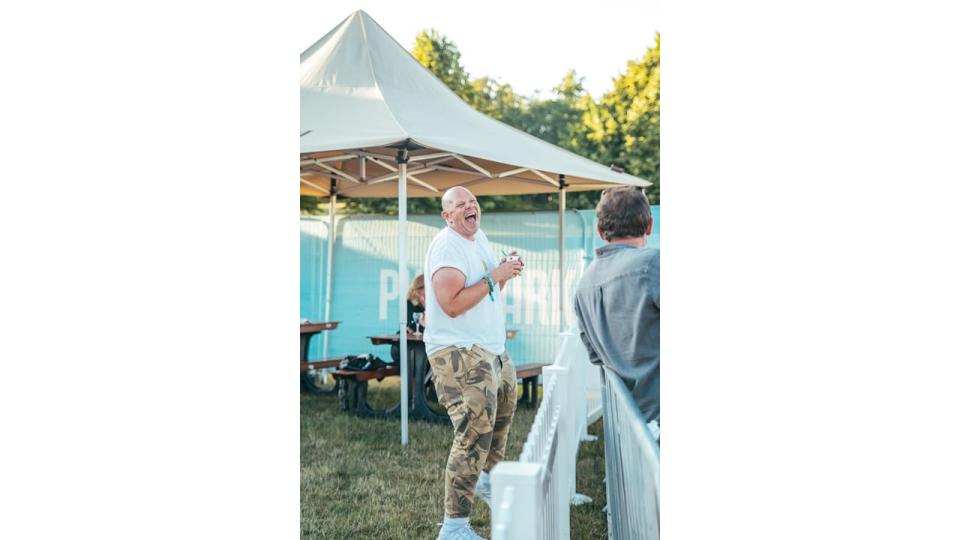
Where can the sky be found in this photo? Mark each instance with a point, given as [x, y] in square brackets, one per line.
[530, 45]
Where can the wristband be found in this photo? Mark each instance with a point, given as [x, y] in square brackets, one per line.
[490, 285]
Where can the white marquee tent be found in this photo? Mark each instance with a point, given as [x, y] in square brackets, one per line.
[375, 123]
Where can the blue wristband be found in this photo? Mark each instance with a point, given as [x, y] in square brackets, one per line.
[490, 285]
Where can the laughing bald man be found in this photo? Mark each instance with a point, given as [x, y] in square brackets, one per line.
[475, 379]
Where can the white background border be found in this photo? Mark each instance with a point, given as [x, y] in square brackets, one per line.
[149, 287]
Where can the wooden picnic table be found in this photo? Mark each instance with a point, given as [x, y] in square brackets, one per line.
[307, 367]
[417, 360]
[310, 329]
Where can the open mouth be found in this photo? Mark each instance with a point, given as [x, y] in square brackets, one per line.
[471, 218]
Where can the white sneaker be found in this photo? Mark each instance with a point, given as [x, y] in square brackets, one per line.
[460, 533]
[484, 491]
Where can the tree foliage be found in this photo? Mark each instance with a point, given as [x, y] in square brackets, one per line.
[441, 56]
[621, 128]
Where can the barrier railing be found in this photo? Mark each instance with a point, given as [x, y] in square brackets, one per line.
[586, 379]
[632, 465]
[585, 394]
[532, 496]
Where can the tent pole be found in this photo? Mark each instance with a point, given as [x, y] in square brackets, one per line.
[402, 157]
[563, 208]
[331, 241]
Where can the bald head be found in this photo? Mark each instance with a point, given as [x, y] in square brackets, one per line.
[461, 211]
[452, 195]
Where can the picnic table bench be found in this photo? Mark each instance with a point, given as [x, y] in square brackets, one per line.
[352, 391]
[311, 365]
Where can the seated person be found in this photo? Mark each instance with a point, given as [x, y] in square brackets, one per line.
[416, 303]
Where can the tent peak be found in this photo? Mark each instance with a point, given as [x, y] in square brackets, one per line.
[360, 15]
[360, 88]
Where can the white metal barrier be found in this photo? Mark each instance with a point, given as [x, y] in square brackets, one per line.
[586, 403]
[632, 466]
[587, 380]
[593, 395]
[532, 496]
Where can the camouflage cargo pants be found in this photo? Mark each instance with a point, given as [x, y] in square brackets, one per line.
[479, 391]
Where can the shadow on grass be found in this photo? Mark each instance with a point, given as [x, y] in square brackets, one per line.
[357, 482]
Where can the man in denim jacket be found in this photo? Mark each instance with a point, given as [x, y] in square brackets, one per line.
[618, 298]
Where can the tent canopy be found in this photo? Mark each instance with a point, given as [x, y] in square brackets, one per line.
[362, 95]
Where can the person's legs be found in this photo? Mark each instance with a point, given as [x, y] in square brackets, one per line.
[467, 387]
[506, 406]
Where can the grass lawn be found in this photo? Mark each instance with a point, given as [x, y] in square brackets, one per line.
[357, 482]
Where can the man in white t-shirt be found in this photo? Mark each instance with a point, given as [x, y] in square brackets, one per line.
[474, 377]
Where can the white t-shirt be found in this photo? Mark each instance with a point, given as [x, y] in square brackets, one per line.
[484, 323]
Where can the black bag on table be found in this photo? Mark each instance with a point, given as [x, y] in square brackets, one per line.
[363, 362]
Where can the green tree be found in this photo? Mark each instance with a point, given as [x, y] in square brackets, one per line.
[441, 56]
[623, 127]
[557, 120]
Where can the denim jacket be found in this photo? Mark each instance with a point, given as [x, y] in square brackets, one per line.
[618, 308]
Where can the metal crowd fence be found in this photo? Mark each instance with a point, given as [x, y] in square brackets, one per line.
[587, 381]
[532, 496]
[529, 495]
[632, 465]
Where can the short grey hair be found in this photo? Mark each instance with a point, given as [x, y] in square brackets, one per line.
[623, 212]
